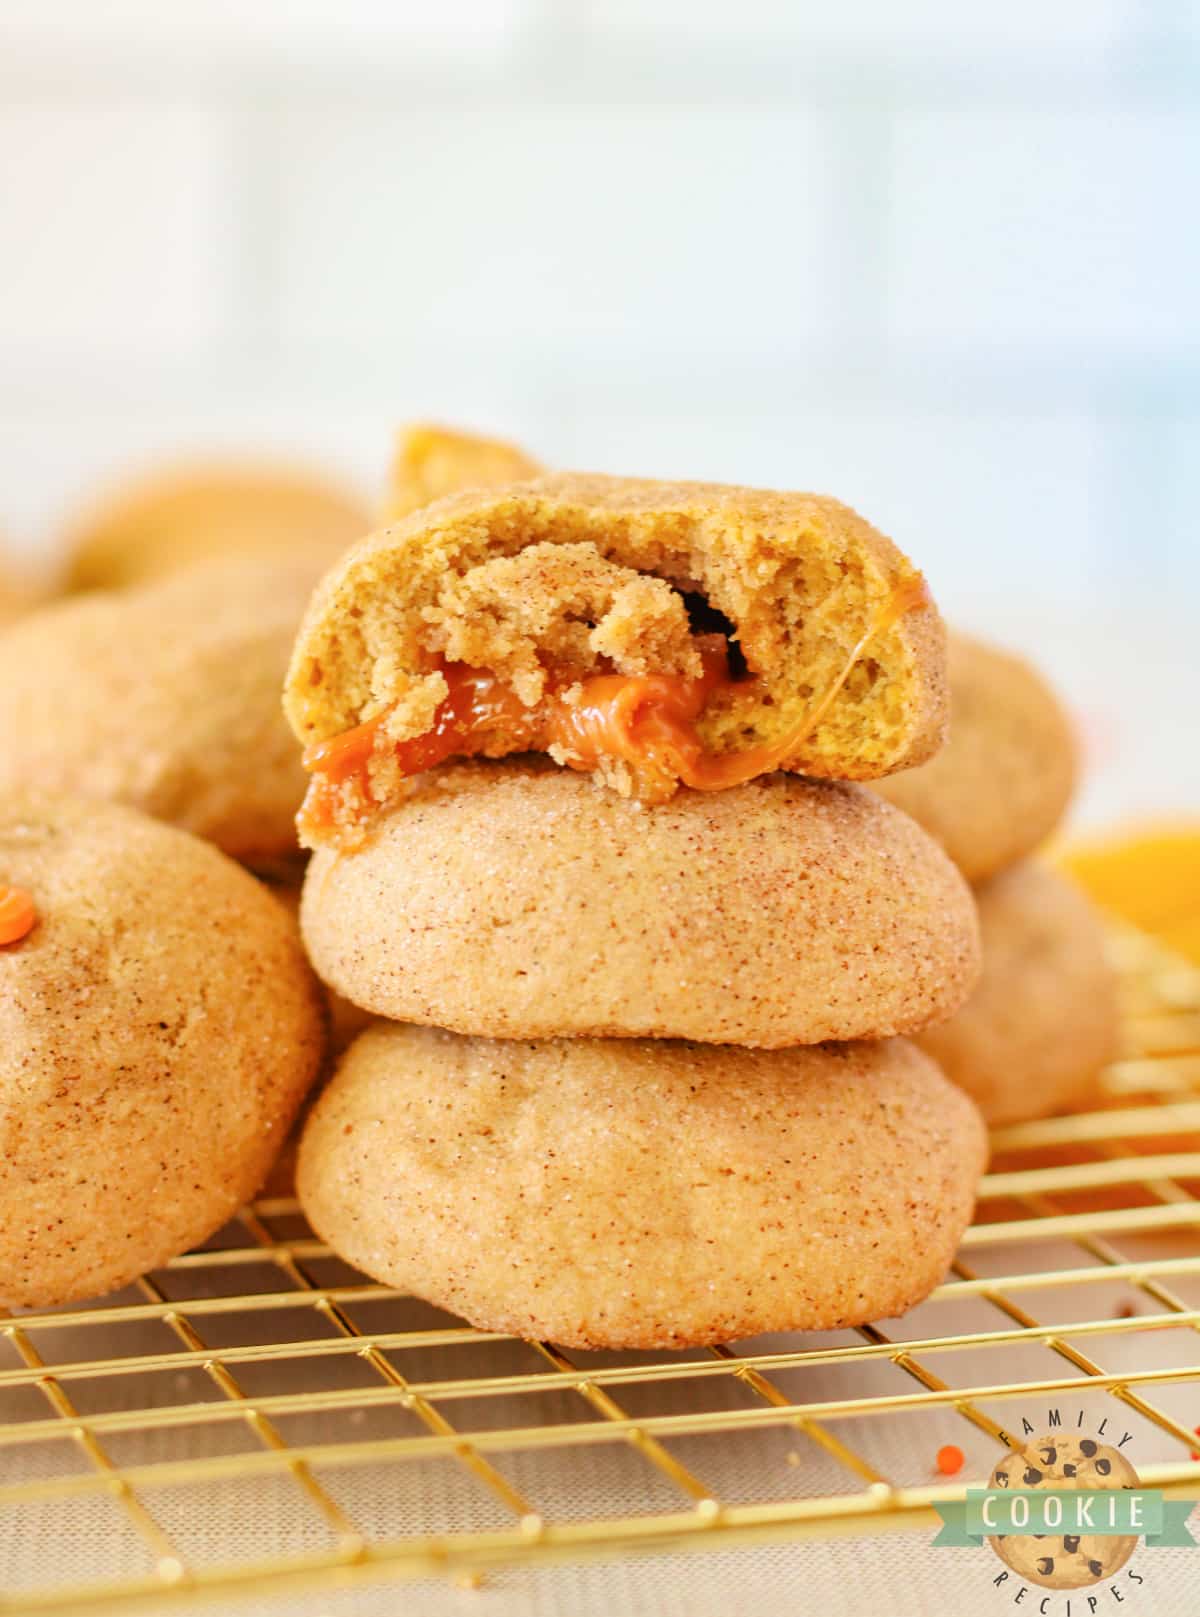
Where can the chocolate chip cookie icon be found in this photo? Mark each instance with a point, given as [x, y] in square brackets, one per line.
[1067, 1561]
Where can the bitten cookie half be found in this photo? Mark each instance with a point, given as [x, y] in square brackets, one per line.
[523, 901]
[654, 633]
[192, 513]
[165, 697]
[638, 1194]
[159, 1027]
[1042, 1023]
[1003, 781]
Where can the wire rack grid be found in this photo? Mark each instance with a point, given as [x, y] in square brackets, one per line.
[256, 1416]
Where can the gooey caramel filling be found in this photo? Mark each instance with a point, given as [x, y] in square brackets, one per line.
[649, 721]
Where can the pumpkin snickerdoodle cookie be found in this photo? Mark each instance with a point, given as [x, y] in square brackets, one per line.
[171, 520]
[628, 1194]
[657, 634]
[165, 697]
[1042, 1022]
[433, 461]
[1003, 780]
[519, 900]
[159, 1027]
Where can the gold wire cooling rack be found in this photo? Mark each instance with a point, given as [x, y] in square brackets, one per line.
[256, 1417]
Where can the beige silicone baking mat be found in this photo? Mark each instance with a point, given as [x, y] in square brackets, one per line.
[256, 1422]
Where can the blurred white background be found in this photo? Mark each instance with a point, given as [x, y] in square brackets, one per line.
[939, 259]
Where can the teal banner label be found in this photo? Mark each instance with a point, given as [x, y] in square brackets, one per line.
[1101, 1512]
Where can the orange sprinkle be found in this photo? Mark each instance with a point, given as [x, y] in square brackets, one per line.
[1196, 1452]
[17, 914]
[950, 1459]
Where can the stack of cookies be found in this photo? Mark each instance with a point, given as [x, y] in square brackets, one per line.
[583, 835]
[582, 756]
[1042, 1022]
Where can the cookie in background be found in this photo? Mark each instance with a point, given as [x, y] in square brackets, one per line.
[157, 524]
[432, 461]
[1042, 1023]
[165, 697]
[1005, 777]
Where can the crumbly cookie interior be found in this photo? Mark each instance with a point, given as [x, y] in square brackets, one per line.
[545, 596]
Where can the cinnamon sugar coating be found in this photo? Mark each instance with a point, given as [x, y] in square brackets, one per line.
[159, 1027]
[626, 1194]
[165, 697]
[519, 900]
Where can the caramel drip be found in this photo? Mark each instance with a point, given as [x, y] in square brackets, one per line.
[648, 721]
[475, 706]
[708, 772]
